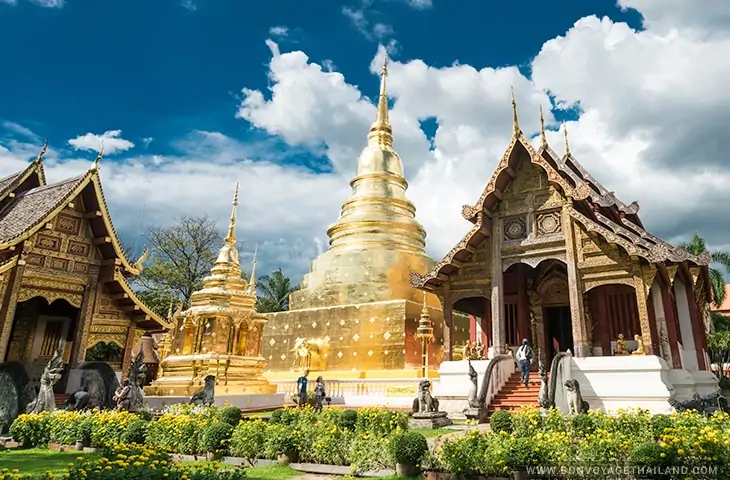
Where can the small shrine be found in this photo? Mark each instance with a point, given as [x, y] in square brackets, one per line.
[219, 335]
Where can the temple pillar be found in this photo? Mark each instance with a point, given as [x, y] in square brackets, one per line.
[9, 306]
[646, 331]
[689, 354]
[499, 333]
[85, 318]
[673, 333]
[660, 317]
[539, 326]
[487, 322]
[448, 305]
[523, 306]
[575, 290]
[697, 326]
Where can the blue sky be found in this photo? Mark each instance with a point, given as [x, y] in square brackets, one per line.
[170, 76]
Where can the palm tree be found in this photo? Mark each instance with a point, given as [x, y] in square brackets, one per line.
[697, 246]
[275, 290]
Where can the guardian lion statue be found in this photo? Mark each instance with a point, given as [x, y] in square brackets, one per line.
[543, 398]
[425, 402]
[207, 395]
[576, 404]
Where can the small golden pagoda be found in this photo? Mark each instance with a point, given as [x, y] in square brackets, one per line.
[356, 315]
[219, 334]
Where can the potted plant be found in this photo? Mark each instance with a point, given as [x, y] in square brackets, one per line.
[282, 443]
[408, 449]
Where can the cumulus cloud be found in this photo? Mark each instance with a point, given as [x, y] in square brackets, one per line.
[111, 140]
[279, 31]
[49, 3]
[651, 109]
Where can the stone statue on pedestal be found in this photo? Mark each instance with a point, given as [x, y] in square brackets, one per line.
[473, 378]
[425, 413]
[576, 404]
[207, 395]
[543, 397]
[137, 374]
[45, 401]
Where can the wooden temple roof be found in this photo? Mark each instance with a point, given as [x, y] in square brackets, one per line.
[594, 207]
[25, 212]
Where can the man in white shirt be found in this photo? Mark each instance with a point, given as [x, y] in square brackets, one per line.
[524, 360]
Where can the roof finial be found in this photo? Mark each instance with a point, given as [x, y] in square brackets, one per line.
[567, 145]
[424, 310]
[95, 165]
[515, 121]
[252, 280]
[381, 132]
[231, 237]
[43, 151]
[543, 138]
[169, 311]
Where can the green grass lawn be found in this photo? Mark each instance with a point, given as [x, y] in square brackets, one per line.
[37, 460]
[433, 432]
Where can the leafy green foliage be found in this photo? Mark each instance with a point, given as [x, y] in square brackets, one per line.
[697, 246]
[501, 421]
[181, 255]
[274, 291]
[408, 448]
[230, 415]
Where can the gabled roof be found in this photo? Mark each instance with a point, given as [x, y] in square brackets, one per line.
[32, 210]
[597, 209]
[32, 176]
[8, 264]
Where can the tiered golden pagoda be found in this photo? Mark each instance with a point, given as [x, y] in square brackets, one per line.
[219, 334]
[356, 314]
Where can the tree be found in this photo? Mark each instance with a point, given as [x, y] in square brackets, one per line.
[274, 292]
[181, 255]
[697, 246]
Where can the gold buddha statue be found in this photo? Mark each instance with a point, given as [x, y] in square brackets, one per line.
[639, 345]
[621, 348]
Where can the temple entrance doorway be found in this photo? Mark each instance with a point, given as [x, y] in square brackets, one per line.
[558, 330]
[38, 329]
[477, 337]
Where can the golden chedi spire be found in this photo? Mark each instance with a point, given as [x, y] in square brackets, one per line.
[252, 280]
[378, 212]
[377, 240]
[227, 261]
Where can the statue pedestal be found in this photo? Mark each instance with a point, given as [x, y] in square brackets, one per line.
[478, 414]
[429, 420]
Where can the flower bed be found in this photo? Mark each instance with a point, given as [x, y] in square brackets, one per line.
[595, 444]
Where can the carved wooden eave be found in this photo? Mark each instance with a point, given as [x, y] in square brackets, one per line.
[63, 193]
[10, 184]
[125, 298]
[8, 265]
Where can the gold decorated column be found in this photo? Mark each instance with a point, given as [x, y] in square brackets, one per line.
[575, 289]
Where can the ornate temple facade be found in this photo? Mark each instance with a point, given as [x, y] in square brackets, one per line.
[554, 257]
[219, 334]
[64, 276]
[356, 313]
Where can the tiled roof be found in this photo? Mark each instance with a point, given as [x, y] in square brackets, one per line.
[725, 307]
[26, 210]
[7, 181]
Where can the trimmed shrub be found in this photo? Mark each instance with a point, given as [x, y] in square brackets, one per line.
[215, 437]
[408, 448]
[230, 415]
[501, 421]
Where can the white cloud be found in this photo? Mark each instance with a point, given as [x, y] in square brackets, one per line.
[189, 5]
[19, 129]
[652, 126]
[279, 31]
[49, 3]
[10, 2]
[420, 4]
[112, 141]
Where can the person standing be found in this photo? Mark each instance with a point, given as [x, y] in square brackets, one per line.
[319, 394]
[524, 360]
[302, 388]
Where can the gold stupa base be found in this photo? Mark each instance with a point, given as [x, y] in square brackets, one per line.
[234, 375]
[404, 374]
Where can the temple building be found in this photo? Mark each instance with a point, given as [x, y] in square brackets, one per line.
[218, 335]
[64, 276]
[356, 315]
[555, 257]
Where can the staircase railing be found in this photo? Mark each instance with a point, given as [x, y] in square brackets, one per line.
[559, 373]
[498, 371]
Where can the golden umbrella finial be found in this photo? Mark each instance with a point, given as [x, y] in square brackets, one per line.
[515, 121]
[231, 236]
[543, 138]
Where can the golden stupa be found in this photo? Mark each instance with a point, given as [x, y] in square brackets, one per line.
[356, 314]
[219, 334]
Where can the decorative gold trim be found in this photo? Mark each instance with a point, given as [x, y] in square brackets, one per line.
[648, 273]
[50, 296]
[119, 278]
[672, 273]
